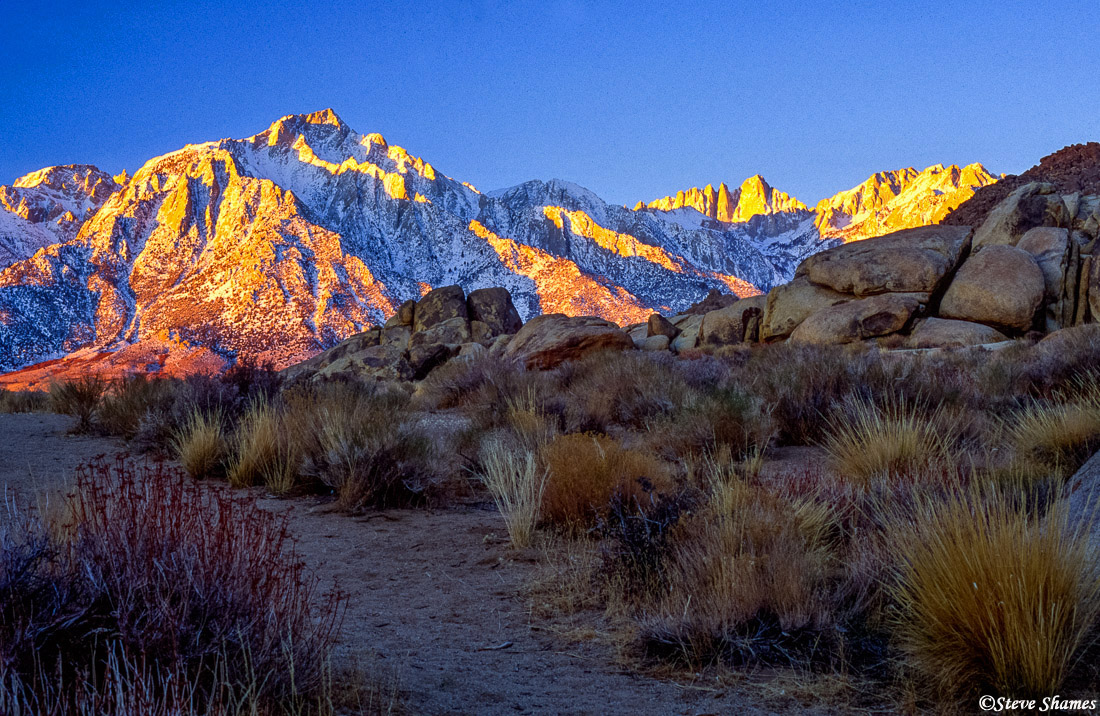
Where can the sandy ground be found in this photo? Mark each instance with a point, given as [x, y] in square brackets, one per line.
[435, 597]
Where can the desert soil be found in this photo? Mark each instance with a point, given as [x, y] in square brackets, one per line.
[436, 598]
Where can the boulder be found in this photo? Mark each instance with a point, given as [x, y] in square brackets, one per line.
[947, 333]
[790, 304]
[499, 345]
[1000, 286]
[403, 316]
[551, 339]
[383, 362]
[713, 301]
[858, 320]
[658, 325]
[1031, 205]
[426, 357]
[1068, 341]
[494, 308]
[453, 331]
[1083, 498]
[397, 336]
[690, 326]
[655, 343]
[1058, 259]
[732, 324]
[349, 346]
[908, 261]
[438, 305]
[480, 332]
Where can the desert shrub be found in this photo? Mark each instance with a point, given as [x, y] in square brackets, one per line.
[127, 401]
[158, 596]
[23, 401]
[866, 441]
[638, 532]
[624, 389]
[251, 381]
[181, 399]
[749, 581]
[720, 419]
[991, 598]
[200, 445]
[801, 383]
[517, 484]
[584, 471]
[79, 398]
[361, 443]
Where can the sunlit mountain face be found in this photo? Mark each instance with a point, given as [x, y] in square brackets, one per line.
[280, 245]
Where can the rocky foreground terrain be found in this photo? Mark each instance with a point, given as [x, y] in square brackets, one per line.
[1028, 268]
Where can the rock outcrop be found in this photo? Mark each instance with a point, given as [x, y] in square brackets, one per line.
[859, 319]
[1001, 286]
[420, 336]
[946, 333]
[549, 340]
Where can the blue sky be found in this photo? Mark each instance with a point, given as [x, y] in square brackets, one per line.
[632, 100]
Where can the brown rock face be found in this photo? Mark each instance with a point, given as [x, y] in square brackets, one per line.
[549, 340]
[858, 320]
[1029, 206]
[946, 333]
[494, 308]
[714, 300]
[790, 304]
[658, 325]
[438, 305]
[908, 261]
[1058, 259]
[1000, 286]
[732, 324]
[1073, 169]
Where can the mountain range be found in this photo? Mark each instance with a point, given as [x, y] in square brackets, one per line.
[279, 245]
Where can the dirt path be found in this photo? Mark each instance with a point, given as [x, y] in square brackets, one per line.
[433, 595]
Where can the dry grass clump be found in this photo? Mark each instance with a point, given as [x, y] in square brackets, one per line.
[79, 398]
[749, 580]
[259, 447]
[992, 598]
[200, 446]
[517, 485]
[867, 441]
[23, 401]
[160, 597]
[621, 389]
[1057, 436]
[584, 471]
[127, 401]
[362, 443]
[712, 421]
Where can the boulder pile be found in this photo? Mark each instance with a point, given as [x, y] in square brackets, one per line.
[1029, 267]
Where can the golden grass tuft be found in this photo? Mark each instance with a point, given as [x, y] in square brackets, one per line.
[584, 471]
[1059, 437]
[992, 598]
[751, 563]
[200, 445]
[867, 441]
[260, 451]
[517, 484]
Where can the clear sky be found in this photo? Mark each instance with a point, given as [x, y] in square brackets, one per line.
[632, 100]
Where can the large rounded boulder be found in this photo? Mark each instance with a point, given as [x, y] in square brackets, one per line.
[494, 308]
[438, 305]
[549, 340]
[858, 320]
[908, 261]
[1035, 204]
[1000, 286]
